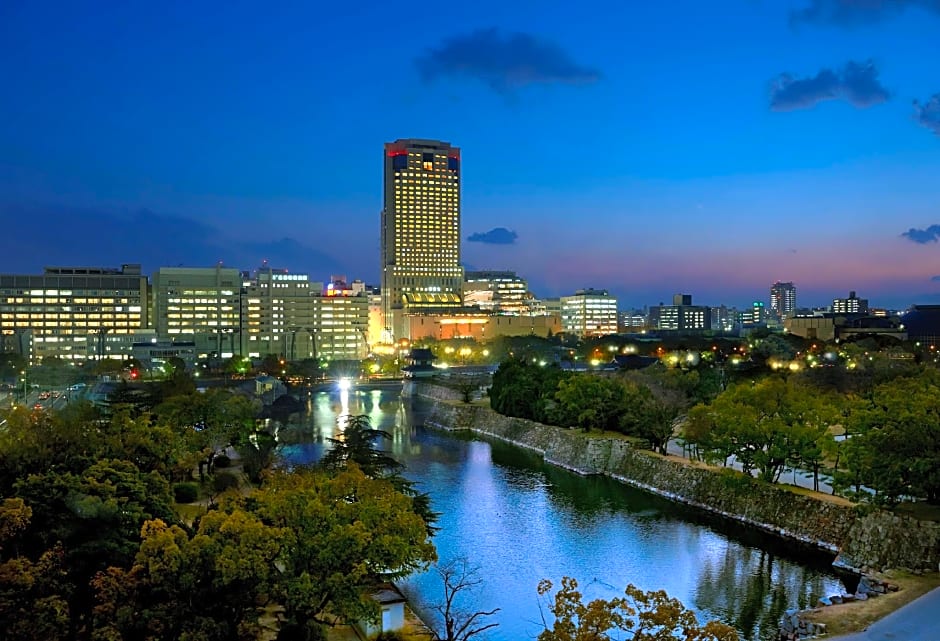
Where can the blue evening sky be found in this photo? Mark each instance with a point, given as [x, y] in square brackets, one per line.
[644, 147]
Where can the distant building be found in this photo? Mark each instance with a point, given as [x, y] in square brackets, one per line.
[499, 292]
[278, 314]
[922, 323]
[420, 259]
[631, 321]
[681, 316]
[782, 299]
[472, 323]
[723, 319]
[199, 304]
[755, 316]
[70, 312]
[341, 322]
[590, 312]
[851, 305]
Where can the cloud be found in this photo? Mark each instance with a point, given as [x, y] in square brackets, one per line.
[928, 114]
[935, 279]
[91, 237]
[923, 236]
[504, 62]
[849, 13]
[496, 236]
[856, 82]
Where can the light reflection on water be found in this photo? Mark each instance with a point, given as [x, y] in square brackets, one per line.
[521, 521]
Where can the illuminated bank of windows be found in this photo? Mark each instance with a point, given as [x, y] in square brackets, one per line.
[590, 312]
[54, 314]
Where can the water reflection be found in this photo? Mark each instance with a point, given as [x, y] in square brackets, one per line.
[522, 521]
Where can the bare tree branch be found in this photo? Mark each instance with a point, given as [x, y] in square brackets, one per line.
[460, 579]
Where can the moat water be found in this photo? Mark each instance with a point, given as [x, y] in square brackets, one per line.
[519, 521]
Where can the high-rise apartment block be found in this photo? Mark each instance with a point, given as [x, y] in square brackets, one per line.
[590, 312]
[76, 313]
[420, 242]
[782, 299]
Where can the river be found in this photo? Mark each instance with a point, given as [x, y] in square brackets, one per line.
[520, 520]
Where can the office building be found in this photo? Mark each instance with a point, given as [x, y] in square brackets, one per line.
[681, 316]
[199, 304]
[851, 305]
[590, 312]
[631, 321]
[498, 292]
[755, 316]
[341, 322]
[278, 314]
[75, 313]
[782, 299]
[420, 235]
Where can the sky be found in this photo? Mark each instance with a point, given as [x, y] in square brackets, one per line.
[647, 148]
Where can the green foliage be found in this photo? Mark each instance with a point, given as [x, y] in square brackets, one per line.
[210, 422]
[642, 616]
[583, 400]
[358, 447]
[223, 482]
[525, 390]
[185, 492]
[765, 426]
[893, 445]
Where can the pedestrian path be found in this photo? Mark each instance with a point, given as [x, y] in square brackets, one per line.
[919, 620]
[791, 476]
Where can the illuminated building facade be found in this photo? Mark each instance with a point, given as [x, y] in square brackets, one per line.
[420, 231]
[782, 299]
[341, 322]
[851, 305]
[199, 304]
[278, 314]
[590, 312]
[76, 313]
[499, 292]
[681, 316]
[480, 326]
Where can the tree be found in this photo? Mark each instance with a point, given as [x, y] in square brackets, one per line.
[211, 421]
[460, 624]
[343, 536]
[358, 445]
[764, 426]
[591, 402]
[208, 586]
[644, 616]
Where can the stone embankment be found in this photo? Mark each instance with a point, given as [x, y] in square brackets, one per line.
[864, 541]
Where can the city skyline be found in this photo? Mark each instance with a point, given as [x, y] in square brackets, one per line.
[629, 153]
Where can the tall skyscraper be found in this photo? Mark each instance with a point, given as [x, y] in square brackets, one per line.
[782, 299]
[420, 230]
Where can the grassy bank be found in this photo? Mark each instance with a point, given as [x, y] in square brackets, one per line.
[858, 615]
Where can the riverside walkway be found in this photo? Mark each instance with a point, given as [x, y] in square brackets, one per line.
[919, 620]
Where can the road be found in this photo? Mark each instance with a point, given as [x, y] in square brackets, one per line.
[919, 620]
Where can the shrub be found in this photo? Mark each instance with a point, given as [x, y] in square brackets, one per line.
[185, 492]
[222, 461]
[224, 481]
[390, 635]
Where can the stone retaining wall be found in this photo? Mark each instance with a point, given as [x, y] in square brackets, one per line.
[875, 541]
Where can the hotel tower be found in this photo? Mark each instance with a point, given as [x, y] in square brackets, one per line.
[421, 269]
